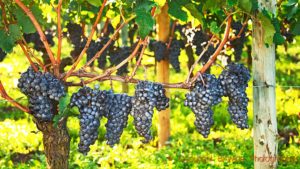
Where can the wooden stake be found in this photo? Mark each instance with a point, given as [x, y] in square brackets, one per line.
[163, 31]
[264, 106]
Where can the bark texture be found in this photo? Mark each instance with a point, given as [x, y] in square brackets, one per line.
[56, 144]
[264, 106]
[163, 31]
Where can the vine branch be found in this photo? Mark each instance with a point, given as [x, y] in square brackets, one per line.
[28, 57]
[108, 72]
[124, 79]
[4, 15]
[88, 41]
[138, 63]
[11, 100]
[241, 31]
[39, 30]
[59, 33]
[217, 52]
[98, 54]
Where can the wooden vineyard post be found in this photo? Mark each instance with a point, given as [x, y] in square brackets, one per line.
[264, 107]
[124, 36]
[163, 30]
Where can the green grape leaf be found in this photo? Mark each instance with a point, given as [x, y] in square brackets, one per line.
[175, 10]
[254, 5]
[276, 24]
[292, 12]
[245, 5]
[144, 5]
[296, 29]
[278, 39]
[63, 109]
[214, 28]
[7, 42]
[291, 3]
[144, 21]
[231, 3]
[24, 21]
[63, 103]
[95, 3]
[15, 31]
[194, 11]
[213, 6]
[268, 27]
[37, 12]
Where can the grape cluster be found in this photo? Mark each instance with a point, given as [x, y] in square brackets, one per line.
[102, 59]
[159, 49]
[206, 56]
[234, 81]
[118, 107]
[75, 35]
[92, 105]
[238, 43]
[42, 89]
[197, 38]
[204, 94]
[94, 47]
[117, 56]
[174, 52]
[36, 40]
[147, 96]
[2, 55]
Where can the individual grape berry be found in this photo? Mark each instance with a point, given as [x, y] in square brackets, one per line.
[118, 107]
[174, 52]
[147, 96]
[238, 44]
[159, 49]
[2, 55]
[91, 105]
[234, 81]
[204, 94]
[117, 56]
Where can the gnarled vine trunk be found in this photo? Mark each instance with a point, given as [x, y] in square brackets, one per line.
[56, 144]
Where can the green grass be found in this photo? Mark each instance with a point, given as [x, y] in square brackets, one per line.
[226, 147]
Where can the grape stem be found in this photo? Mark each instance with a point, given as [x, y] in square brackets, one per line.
[138, 63]
[217, 52]
[4, 15]
[124, 79]
[59, 33]
[241, 31]
[172, 34]
[104, 29]
[32, 55]
[39, 30]
[11, 100]
[88, 41]
[28, 57]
